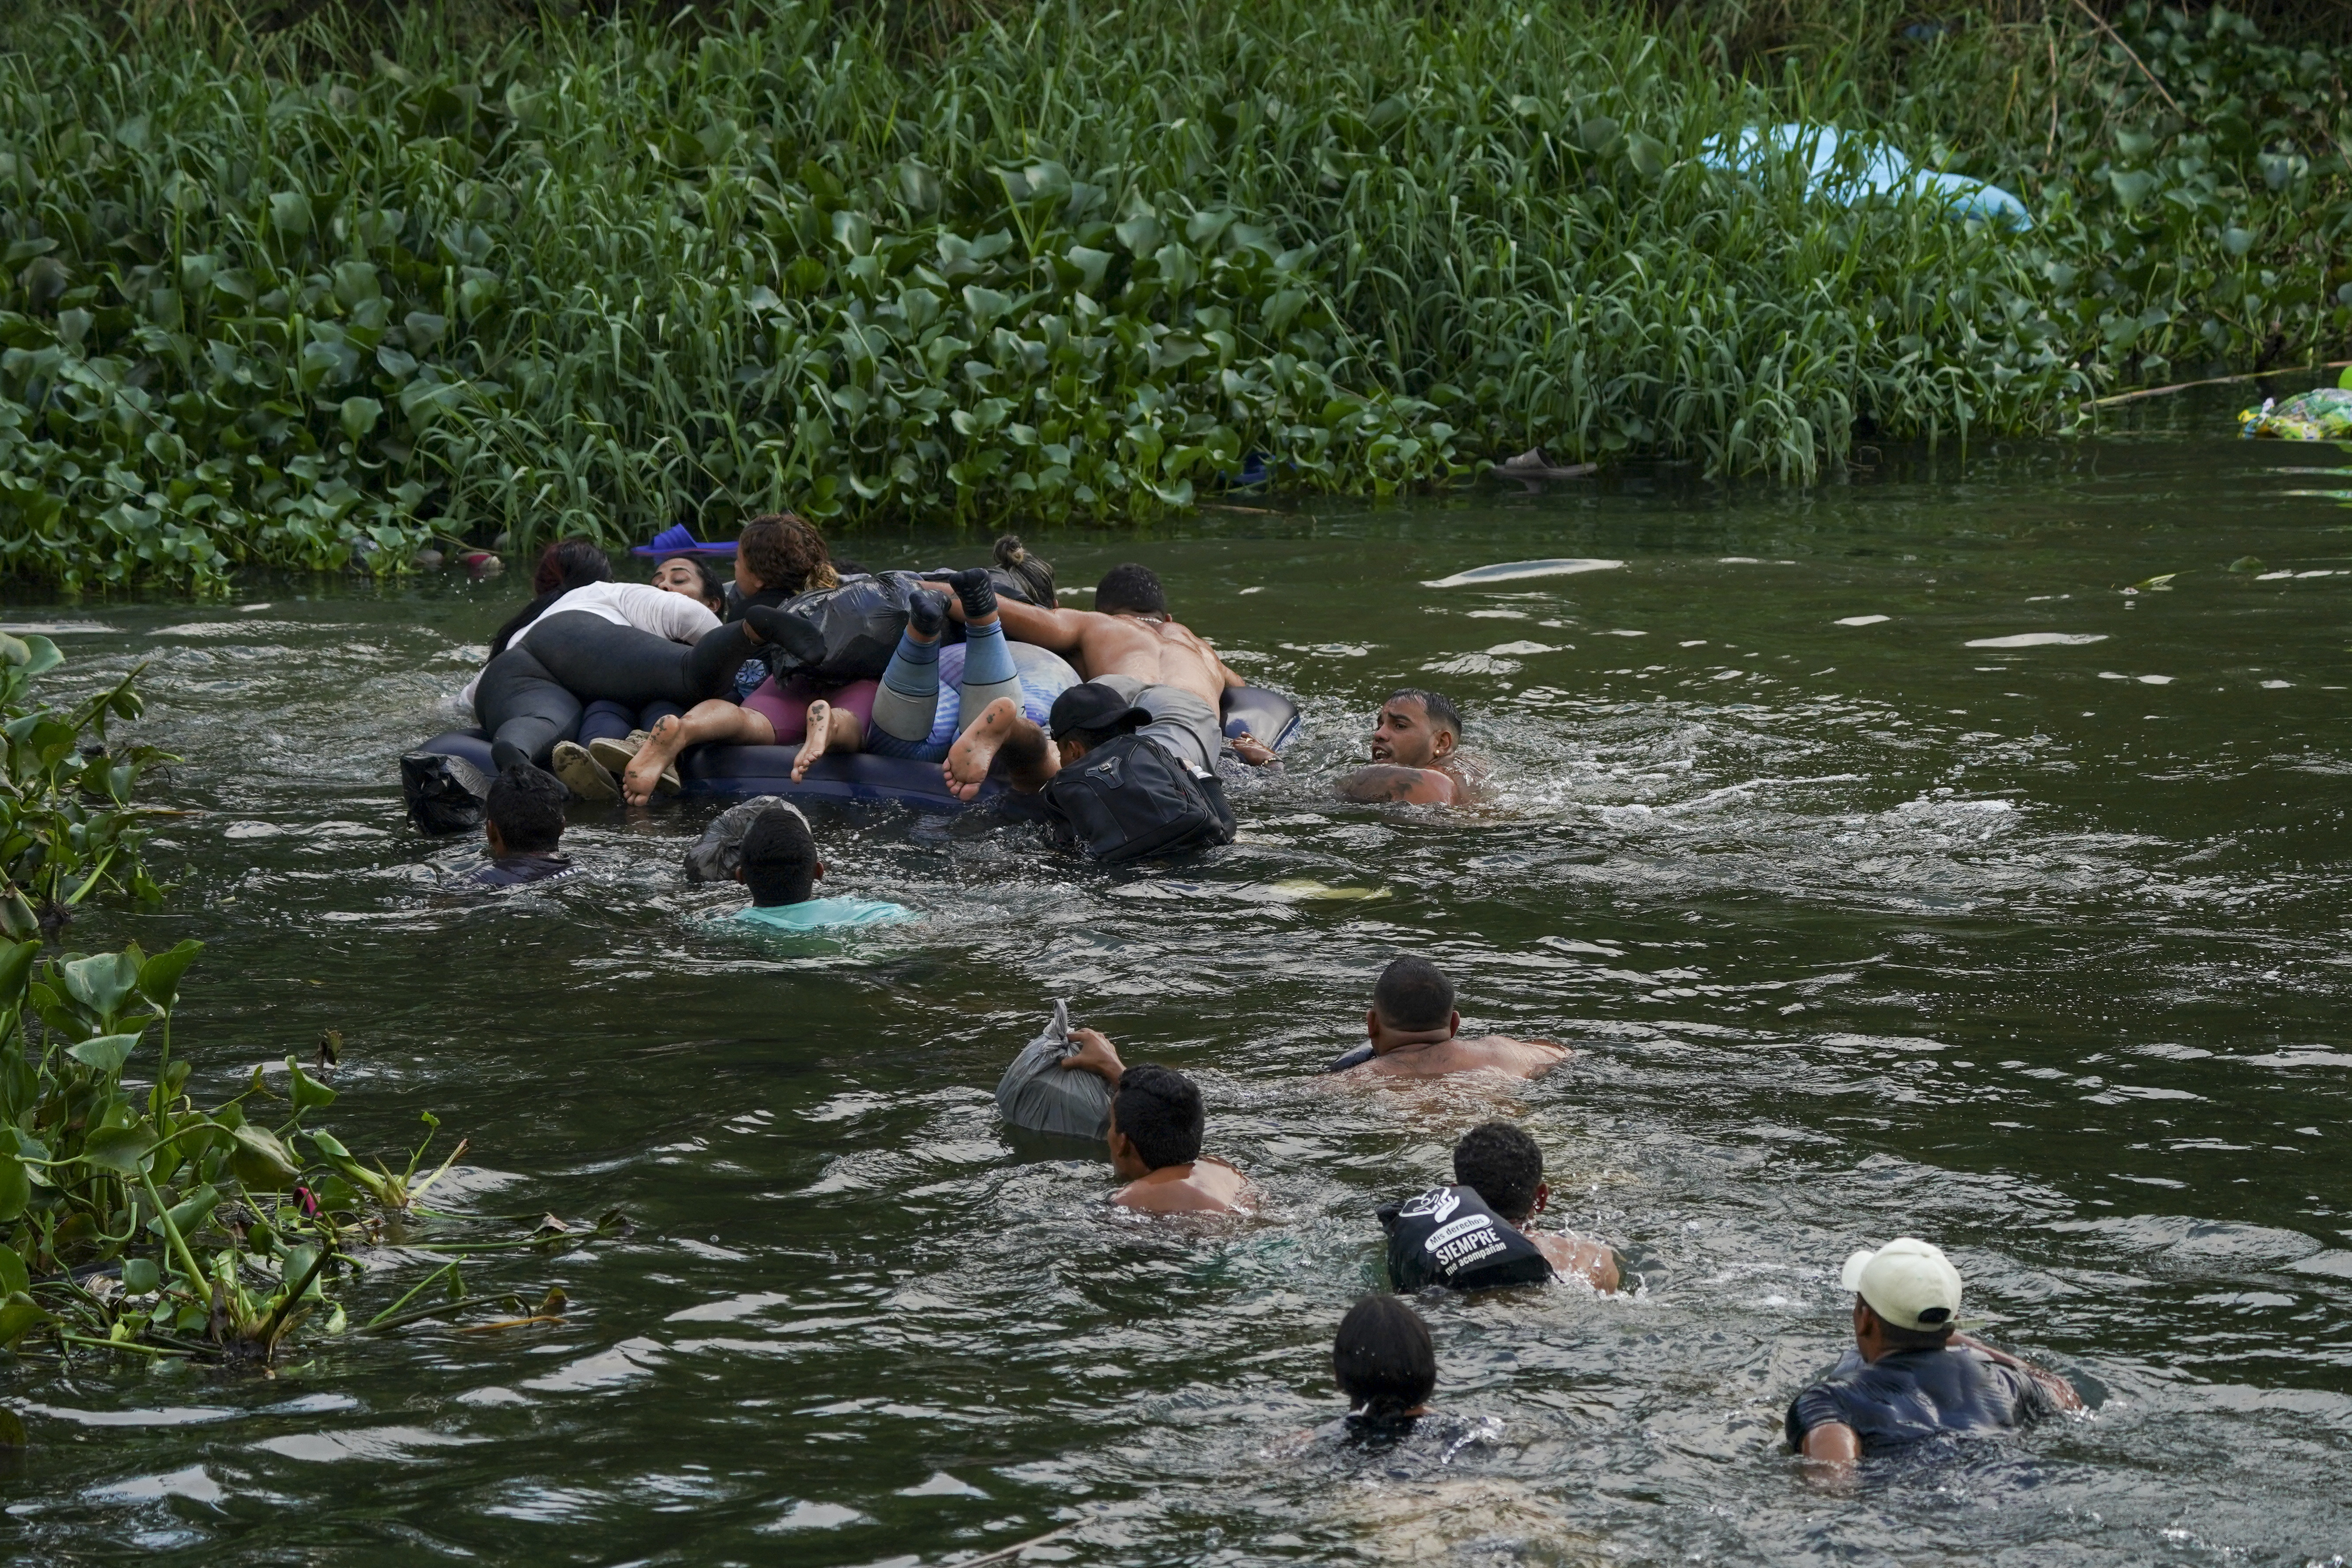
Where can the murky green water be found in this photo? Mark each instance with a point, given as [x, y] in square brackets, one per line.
[1861, 930]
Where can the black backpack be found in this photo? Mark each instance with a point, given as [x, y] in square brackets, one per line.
[1447, 1236]
[1129, 798]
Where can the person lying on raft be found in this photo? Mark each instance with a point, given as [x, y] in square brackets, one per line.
[1126, 642]
[910, 717]
[1415, 1033]
[1416, 757]
[777, 861]
[1156, 1125]
[628, 642]
[574, 761]
[522, 823]
[1504, 1167]
[776, 557]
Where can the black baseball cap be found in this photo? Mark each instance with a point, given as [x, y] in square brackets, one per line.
[1091, 705]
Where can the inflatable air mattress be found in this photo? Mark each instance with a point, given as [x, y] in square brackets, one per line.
[735, 773]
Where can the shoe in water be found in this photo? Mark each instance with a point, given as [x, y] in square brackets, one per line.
[444, 794]
[583, 774]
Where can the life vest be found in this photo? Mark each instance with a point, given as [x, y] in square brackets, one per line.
[1447, 1236]
[1130, 798]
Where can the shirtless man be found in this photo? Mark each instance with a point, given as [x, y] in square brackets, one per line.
[1126, 642]
[1416, 745]
[1414, 1029]
[1155, 1123]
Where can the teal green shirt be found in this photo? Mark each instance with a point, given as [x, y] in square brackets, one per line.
[821, 914]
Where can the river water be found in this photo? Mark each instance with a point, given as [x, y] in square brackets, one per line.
[1858, 930]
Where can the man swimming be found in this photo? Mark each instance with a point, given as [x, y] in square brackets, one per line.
[1504, 1167]
[1416, 744]
[522, 827]
[1415, 1033]
[1129, 643]
[1910, 1373]
[1156, 1125]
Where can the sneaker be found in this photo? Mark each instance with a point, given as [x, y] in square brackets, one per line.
[582, 776]
[614, 757]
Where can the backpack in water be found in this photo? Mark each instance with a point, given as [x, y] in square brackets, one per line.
[1448, 1237]
[1130, 798]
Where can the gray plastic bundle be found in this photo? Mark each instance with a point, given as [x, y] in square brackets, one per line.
[715, 855]
[1039, 1094]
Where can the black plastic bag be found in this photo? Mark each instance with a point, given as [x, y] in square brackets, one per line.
[861, 622]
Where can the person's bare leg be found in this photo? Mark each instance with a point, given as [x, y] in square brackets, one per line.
[715, 720]
[1029, 761]
[830, 729]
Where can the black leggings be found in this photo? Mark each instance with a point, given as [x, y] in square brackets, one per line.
[531, 696]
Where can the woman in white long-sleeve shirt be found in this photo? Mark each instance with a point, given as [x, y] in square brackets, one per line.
[624, 642]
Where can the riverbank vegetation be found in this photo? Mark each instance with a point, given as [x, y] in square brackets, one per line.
[132, 1220]
[312, 296]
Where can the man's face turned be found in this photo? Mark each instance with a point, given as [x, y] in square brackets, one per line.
[1404, 735]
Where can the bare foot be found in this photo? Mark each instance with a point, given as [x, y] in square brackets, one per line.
[820, 736]
[644, 775]
[966, 768]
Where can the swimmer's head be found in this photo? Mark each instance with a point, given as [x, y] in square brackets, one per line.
[1086, 715]
[1416, 729]
[570, 564]
[1501, 1164]
[785, 552]
[1130, 590]
[780, 862]
[1156, 1121]
[1412, 997]
[692, 576]
[1383, 1360]
[524, 813]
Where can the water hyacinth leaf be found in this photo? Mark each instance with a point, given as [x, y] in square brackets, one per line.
[358, 415]
[189, 1212]
[308, 1093]
[16, 968]
[159, 977]
[13, 1276]
[259, 1160]
[122, 1150]
[141, 1276]
[290, 213]
[107, 1053]
[20, 1315]
[1647, 154]
[15, 1188]
[102, 983]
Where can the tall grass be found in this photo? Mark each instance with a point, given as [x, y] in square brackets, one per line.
[1075, 261]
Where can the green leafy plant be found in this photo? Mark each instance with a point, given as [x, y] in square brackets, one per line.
[131, 1218]
[272, 304]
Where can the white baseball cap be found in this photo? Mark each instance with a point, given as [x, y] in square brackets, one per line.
[1908, 1282]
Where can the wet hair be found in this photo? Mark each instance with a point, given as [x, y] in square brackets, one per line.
[1159, 1111]
[786, 552]
[1382, 1358]
[566, 564]
[1130, 588]
[779, 858]
[1437, 704]
[526, 805]
[1501, 1164]
[1413, 995]
[714, 586]
[1035, 576]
